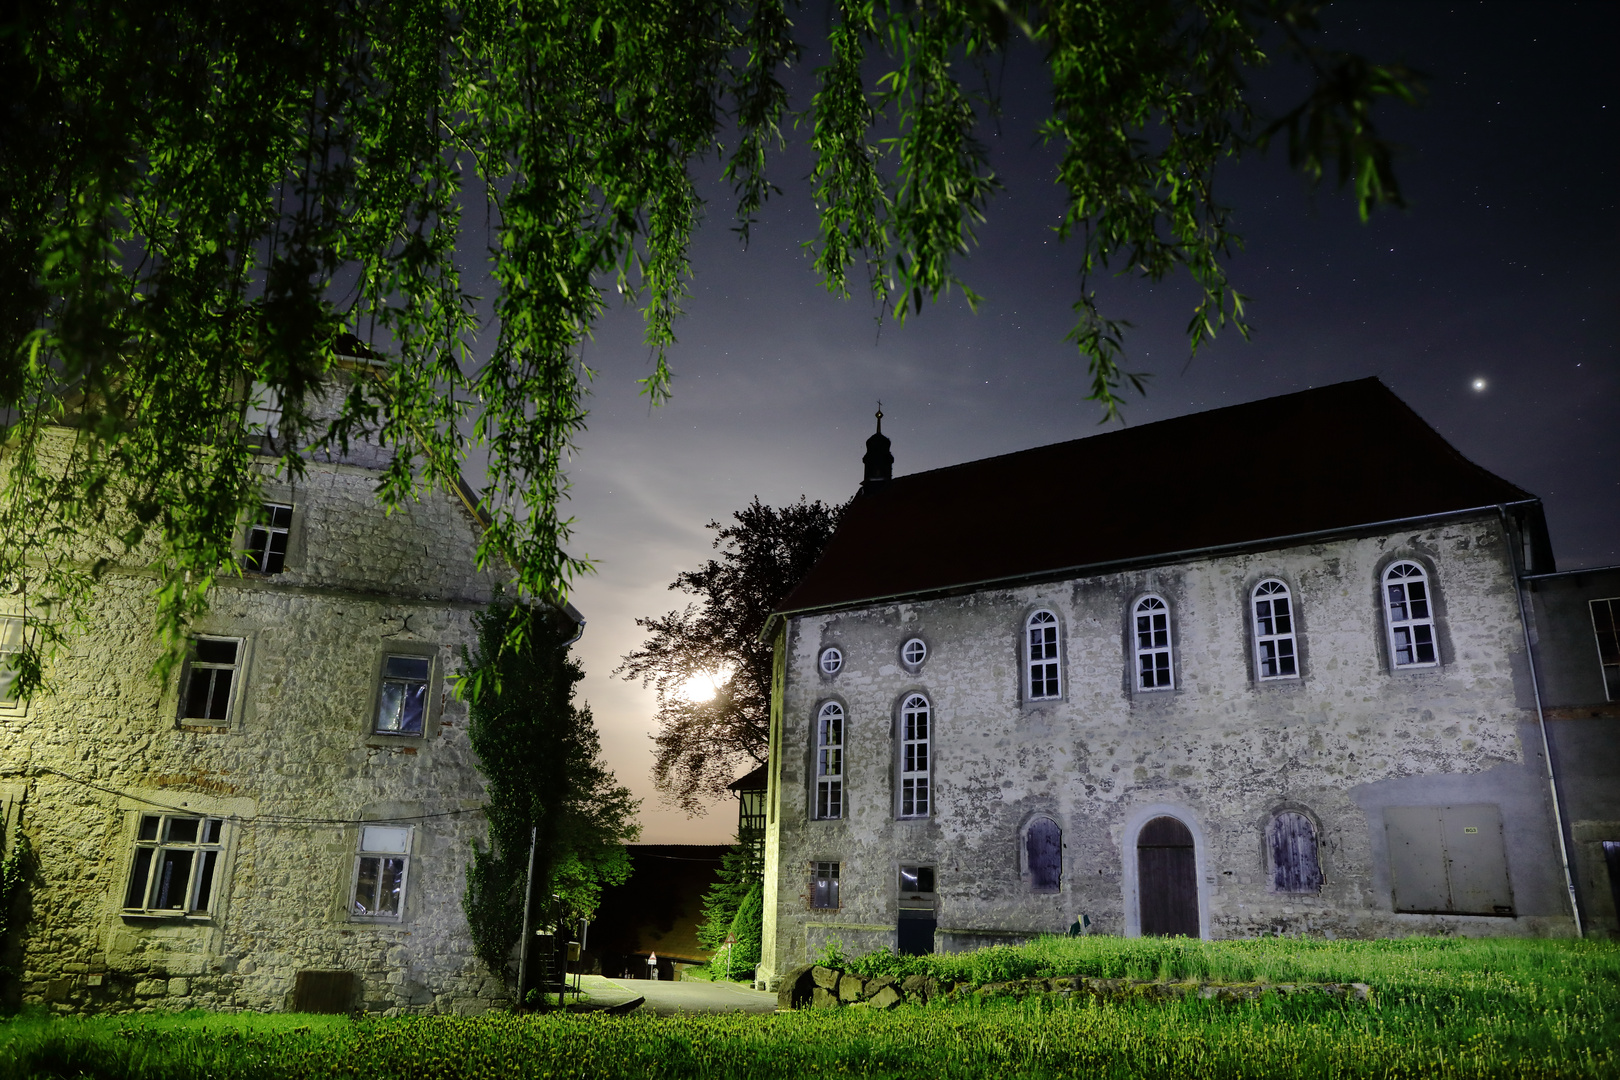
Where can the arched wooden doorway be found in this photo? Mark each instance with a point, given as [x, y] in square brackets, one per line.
[1167, 879]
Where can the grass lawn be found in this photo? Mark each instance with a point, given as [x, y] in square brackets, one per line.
[1442, 1007]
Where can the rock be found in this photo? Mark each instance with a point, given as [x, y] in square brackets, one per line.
[179, 987]
[886, 998]
[821, 998]
[916, 988]
[851, 987]
[824, 977]
[795, 988]
[873, 985]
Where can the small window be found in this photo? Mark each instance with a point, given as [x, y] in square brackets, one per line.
[1043, 854]
[830, 761]
[176, 865]
[1275, 653]
[832, 660]
[914, 652]
[915, 880]
[267, 542]
[1294, 865]
[211, 678]
[1411, 619]
[1041, 631]
[11, 651]
[1153, 644]
[402, 701]
[1606, 624]
[914, 774]
[824, 885]
[380, 870]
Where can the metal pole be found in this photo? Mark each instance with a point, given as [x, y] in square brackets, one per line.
[528, 930]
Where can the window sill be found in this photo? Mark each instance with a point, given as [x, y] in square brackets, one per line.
[167, 917]
[377, 920]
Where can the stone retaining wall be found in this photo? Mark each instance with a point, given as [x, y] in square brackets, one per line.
[821, 987]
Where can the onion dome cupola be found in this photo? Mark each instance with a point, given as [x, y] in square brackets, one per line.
[878, 461]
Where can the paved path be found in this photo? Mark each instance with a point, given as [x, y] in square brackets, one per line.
[671, 998]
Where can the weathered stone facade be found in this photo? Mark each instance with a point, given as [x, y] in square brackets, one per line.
[1224, 752]
[293, 770]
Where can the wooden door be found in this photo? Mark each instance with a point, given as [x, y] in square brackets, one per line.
[1167, 879]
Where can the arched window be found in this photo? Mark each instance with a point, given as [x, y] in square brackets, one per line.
[1275, 654]
[1042, 663]
[1153, 644]
[1411, 618]
[830, 761]
[1294, 866]
[914, 734]
[1043, 855]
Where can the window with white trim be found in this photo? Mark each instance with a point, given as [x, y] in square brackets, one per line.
[1041, 638]
[380, 870]
[832, 660]
[915, 714]
[176, 866]
[1153, 670]
[212, 674]
[1275, 652]
[824, 885]
[1606, 625]
[1410, 616]
[914, 652]
[830, 761]
[267, 540]
[11, 651]
[403, 697]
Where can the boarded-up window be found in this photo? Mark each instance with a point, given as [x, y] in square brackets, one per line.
[1294, 865]
[1448, 859]
[326, 992]
[1043, 847]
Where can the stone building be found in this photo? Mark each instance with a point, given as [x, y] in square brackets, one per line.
[1257, 670]
[287, 822]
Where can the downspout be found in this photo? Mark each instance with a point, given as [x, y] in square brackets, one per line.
[1541, 723]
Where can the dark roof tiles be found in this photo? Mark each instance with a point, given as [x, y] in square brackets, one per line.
[1319, 461]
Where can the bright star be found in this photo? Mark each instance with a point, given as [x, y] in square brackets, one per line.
[1479, 384]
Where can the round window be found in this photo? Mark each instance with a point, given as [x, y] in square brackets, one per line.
[831, 661]
[914, 652]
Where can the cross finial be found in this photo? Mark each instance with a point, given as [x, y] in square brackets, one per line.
[880, 417]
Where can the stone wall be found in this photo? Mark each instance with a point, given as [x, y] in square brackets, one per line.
[293, 770]
[1223, 751]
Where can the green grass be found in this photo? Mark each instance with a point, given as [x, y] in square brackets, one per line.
[1442, 1008]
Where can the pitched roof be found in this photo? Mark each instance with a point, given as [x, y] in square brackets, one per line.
[1315, 462]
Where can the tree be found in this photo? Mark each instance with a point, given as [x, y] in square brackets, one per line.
[199, 200]
[705, 743]
[542, 764]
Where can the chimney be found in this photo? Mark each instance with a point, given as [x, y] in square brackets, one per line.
[878, 461]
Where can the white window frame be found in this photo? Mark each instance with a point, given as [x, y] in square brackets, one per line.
[197, 668]
[275, 520]
[384, 679]
[1043, 665]
[1284, 645]
[832, 660]
[382, 843]
[829, 792]
[1608, 643]
[914, 653]
[13, 629]
[204, 870]
[1409, 621]
[824, 886]
[1153, 644]
[916, 770]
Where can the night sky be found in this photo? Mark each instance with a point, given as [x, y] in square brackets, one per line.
[1503, 269]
